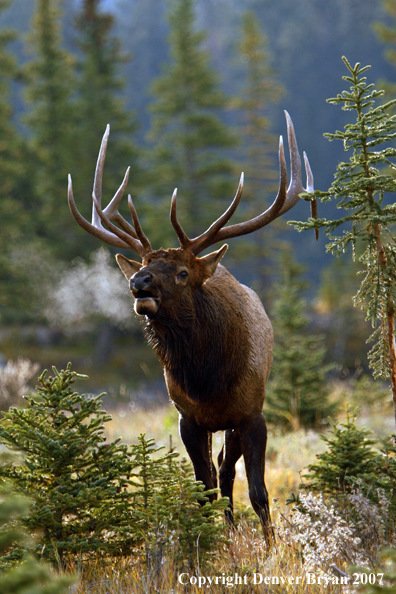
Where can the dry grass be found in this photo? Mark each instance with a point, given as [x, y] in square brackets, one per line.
[234, 567]
[244, 568]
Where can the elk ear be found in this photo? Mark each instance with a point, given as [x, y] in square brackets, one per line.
[128, 267]
[212, 260]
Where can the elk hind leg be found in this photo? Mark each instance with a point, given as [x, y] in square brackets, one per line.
[227, 459]
[198, 443]
[253, 436]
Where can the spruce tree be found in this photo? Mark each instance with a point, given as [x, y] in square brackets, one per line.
[187, 133]
[260, 91]
[297, 391]
[174, 514]
[30, 576]
[10, 150]
[96, 499]
[16, 223]
[50, 85]
[99, 103]
[359, 188]
[79, 484]
[349, 456]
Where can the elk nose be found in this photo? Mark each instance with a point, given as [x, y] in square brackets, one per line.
[141, 282]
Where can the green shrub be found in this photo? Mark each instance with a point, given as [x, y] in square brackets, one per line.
[78, 483]
[349, 457]
[28, 576]
[174, 513]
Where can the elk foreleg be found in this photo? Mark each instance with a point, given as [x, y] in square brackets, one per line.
[227, 459]
[198, 443]
[253, 436]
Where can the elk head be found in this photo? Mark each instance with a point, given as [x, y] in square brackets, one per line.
[163, 274]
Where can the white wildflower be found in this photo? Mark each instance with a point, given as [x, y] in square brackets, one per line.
[321, 534]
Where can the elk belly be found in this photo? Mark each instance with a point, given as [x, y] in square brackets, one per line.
[146, 306]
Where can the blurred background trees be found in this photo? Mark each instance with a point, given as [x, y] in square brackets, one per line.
[49, 88]
[297, 394]
[190, 142]
[194, 92]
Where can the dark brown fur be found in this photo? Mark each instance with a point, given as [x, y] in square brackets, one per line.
[215, 343]
[201, 323]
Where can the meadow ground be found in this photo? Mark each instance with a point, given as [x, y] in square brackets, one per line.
[246, 566]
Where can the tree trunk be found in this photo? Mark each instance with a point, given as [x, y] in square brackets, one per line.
[392, 356]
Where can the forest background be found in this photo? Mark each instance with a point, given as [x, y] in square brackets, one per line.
[68, 68]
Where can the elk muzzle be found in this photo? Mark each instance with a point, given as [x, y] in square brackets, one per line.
[143, 287]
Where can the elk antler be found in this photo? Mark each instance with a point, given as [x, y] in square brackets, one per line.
[284, 201]
[124, 236]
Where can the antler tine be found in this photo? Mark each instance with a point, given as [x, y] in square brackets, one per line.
[131, 242]
[295, 187]
[139, 231]
[204, 240]
[309, 174]
[97, 186]
[111, 210]
[184, 241]
[101, 226]
[310, 189]
[97, 231]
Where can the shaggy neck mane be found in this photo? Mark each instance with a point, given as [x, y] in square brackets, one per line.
[200, 343]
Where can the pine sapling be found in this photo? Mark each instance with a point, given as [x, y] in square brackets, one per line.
[359, 188]
[80, 485]
[173, 510]
[349, 457]
[29, 576]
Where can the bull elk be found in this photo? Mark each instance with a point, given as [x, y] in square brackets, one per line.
[211, 334]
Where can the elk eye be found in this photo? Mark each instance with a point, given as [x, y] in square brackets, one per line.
[183, 274]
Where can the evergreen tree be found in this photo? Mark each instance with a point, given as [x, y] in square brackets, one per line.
[359, 188]
[30, 576]
[297, 391]
[349, 457]
[174, 514]
[78, 483]
[188, 136]
[10, 167]
[260, 91]
[142, 28]
[99, 103]
[259, 145]
[358, 480]
[50, 87]
[15, 188]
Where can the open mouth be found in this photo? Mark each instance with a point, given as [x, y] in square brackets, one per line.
[146, 303]
[144, 295]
